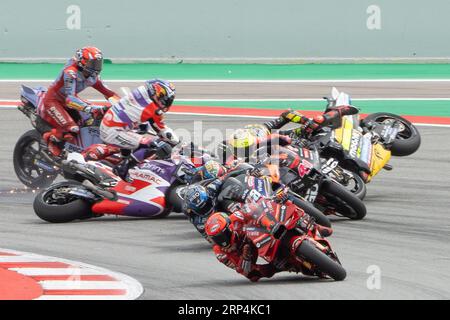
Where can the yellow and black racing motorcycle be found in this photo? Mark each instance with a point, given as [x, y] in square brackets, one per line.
[365, 146]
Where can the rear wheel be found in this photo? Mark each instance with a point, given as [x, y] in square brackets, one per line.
[56, 205]
[310, 253]
[342, 200]
[26, 153]
[407, 140]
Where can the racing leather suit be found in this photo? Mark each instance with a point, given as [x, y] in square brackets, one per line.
[128, 114]
[330, 117]
[61, 103]
[241, 255]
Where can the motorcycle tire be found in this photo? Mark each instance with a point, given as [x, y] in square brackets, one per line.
[74, 209]
[312, 211]
[310, 253]
[345, 202]
[407, 141]
[360, 188]
[25, 171]
[174, 198]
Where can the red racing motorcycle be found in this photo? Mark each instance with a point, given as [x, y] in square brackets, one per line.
[292, 246]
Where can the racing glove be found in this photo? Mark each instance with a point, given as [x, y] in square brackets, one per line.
[282, 195]
[97, 112]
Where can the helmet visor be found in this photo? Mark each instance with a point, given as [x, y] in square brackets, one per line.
[222, 239]
[94, 66]
[166, 103]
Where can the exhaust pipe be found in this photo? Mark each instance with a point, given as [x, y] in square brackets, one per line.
[101, 192]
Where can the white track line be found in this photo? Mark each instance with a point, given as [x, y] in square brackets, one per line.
[275, 100]
[20, 259]
[80, 297]
[81, 285]
[247, 80]
[54, 271]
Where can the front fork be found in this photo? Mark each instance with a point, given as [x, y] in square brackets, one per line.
[319, 242]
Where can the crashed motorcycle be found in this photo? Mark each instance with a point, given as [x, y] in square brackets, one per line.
[94, 190]
[365, 146]
[34, 165]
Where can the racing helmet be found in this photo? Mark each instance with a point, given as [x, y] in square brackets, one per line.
[217, 229]
[258, 130]
[212, 169]
[162, 93]
[242, 138]
[197, 201]
[90, 60]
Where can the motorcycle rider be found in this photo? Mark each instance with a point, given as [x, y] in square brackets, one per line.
[146, 105]
[235, 250]
[200, 198]
[251, 137]
[61, 105]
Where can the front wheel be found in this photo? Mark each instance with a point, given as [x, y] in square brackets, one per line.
[25, 157]
[343, 201]
[56, 205]
[310, 253]
[407, 140]
[356, 185]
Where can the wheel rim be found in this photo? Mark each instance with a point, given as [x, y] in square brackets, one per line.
[28, 170]
[404, 132]
[58, 196]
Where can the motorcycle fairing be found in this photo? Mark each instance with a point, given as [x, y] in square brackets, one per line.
[145, 195]
[359, 146]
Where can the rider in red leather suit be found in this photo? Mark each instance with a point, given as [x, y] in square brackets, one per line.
[61, 103]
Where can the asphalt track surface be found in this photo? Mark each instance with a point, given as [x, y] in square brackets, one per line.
[275, 90]
[405, 233]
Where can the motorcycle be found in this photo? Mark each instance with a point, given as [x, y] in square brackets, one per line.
[289, 247]
[94, 190]
[263, 179]
[364, 147]
[304, 172]
[35, 166]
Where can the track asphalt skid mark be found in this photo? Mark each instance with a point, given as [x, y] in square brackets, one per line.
[28, 276]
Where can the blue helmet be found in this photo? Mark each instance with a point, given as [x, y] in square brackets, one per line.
[162, 91]
[198, 201]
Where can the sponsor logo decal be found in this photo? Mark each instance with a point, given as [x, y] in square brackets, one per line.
[55, 114]
[354, 144]
[154, 168]
[147, 177]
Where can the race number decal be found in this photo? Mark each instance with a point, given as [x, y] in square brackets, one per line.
[304, 168]
[329, 166]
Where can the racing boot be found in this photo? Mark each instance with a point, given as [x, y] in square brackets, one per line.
[122, 168]
[54, 141]
[279, 122]
[98, 152]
